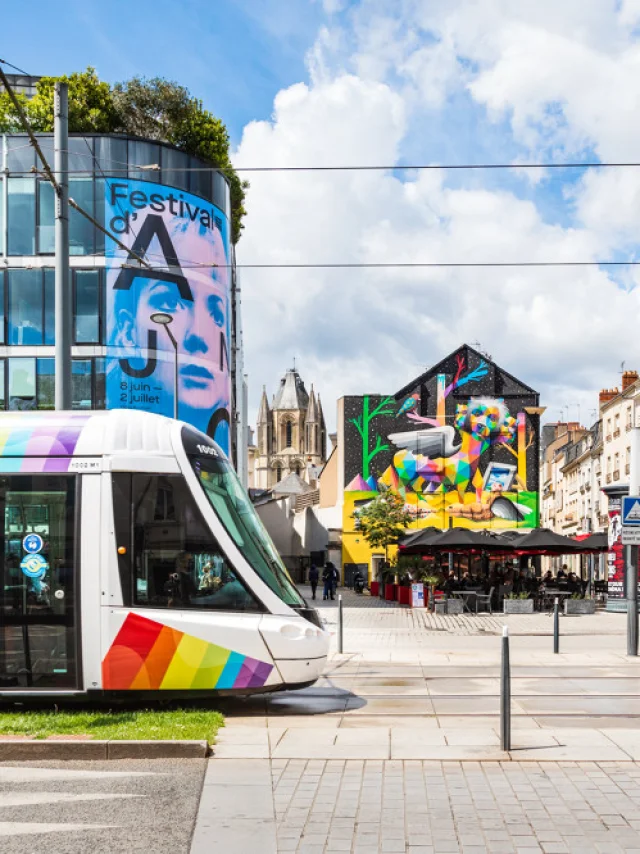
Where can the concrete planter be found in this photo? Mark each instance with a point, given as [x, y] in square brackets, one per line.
[518, 606]
[454, 606]
[579, 606]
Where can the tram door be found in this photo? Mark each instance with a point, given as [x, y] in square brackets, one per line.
[38, 580]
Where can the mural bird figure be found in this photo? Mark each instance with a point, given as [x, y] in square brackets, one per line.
[447, 457]
[409, 405]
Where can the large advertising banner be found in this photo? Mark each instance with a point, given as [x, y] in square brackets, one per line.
[185, 241]
[615, 556]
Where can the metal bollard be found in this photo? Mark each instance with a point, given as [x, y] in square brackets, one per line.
[505, 693]
[556, 626]
[340, 624]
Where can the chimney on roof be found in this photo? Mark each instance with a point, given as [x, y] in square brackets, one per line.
[608, 394]
[628, 379]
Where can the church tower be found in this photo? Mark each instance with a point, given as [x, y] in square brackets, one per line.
[291, 434]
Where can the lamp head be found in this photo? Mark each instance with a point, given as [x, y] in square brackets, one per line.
[162, 318]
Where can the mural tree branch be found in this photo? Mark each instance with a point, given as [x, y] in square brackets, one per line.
[362, 423]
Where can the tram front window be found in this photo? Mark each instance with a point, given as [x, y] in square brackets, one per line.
[177, 563]
[235, 511]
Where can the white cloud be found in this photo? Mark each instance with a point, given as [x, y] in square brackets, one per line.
[564, 76]
[331, 7]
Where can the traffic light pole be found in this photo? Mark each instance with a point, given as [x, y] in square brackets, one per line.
[631, 556]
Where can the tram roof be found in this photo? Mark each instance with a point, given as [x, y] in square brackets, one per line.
[86, 434]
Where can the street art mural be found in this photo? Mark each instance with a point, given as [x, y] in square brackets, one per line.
[459, 444]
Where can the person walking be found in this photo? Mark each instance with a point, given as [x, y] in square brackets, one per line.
[314, 575]
[327, 580]
[335, 579]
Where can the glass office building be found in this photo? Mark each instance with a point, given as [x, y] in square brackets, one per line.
[164, 205]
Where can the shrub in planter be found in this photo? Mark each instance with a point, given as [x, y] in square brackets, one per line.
[579, 606]
[518, 603]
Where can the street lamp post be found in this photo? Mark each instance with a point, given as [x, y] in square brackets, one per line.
[165, 320]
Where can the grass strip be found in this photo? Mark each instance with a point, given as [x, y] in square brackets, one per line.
[117, 724]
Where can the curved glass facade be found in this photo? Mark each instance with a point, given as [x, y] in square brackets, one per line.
[165, 206]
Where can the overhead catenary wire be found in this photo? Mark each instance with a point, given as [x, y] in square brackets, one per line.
[186, 265]
[398, 167]
[590, 164]
[48, 174]
[15, 67]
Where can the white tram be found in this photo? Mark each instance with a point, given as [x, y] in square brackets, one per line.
[132, 560]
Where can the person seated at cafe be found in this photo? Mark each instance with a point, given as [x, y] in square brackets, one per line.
[450, 584]
[574, 584]
[548, 579]
[562, 573]
[466, 581]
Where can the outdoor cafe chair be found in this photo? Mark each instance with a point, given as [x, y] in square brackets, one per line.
[485, 599]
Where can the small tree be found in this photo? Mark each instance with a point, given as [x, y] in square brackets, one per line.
[382, 521]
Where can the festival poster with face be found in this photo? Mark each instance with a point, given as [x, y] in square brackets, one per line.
[185, 241]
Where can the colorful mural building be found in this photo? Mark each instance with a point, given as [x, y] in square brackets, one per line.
[460, 444]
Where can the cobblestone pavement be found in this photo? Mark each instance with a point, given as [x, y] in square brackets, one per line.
[373, 617]
[414, 807]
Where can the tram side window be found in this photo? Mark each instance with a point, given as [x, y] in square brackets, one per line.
[177, 562]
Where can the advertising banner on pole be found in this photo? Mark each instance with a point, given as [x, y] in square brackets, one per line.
[185, 240]
[615, 558]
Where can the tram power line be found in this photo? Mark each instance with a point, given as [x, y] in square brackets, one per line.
[398, 167]
[48, 175]
[393, 265]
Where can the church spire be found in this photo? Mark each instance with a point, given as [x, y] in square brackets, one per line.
[312, 409]
[263, 413]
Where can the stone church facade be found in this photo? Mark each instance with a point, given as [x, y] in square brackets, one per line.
[291, 436]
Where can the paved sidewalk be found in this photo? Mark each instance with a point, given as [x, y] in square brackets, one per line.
[396, 748]
[416, 807]
[406, 691]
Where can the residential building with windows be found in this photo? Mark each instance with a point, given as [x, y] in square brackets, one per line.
[557, 494]
[619, 411]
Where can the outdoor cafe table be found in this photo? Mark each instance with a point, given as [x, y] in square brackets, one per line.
[550, 594]
[468, 597]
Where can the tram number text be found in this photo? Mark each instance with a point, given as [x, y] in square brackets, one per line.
[85, 465]
[206, 449]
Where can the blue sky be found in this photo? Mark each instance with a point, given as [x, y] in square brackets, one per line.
[234, 54]
[328, 82]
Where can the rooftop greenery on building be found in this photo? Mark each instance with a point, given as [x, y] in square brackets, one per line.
[156, 110]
